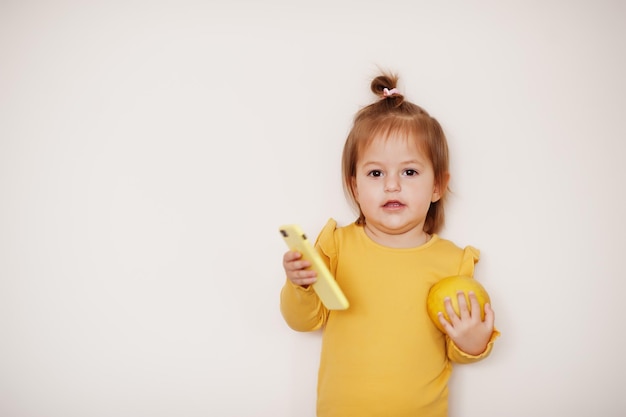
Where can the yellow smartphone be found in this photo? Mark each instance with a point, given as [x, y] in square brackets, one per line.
[326, 287]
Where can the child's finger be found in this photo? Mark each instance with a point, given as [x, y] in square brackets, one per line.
[463, 308]
[291, 261]
[490, 316]
[474, 305]
[291, 256]
[447, 303]
[303, 277]
[444, 323]
[297, 265]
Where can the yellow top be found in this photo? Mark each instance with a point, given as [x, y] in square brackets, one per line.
[383, 356]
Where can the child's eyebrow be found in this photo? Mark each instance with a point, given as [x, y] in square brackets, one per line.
[371, 163]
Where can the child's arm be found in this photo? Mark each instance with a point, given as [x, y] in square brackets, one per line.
[299, 304]
[469, 333]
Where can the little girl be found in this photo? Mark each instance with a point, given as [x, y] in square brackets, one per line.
[383, 356]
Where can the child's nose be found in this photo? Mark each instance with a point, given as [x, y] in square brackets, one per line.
[392, 183]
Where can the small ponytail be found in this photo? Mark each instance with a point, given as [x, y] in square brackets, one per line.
[385, 87]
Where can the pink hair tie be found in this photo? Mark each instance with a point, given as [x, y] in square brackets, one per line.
[388, 93]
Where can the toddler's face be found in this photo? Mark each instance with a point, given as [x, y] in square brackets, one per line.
[394, 186]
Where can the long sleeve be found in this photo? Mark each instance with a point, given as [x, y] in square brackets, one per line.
[301, 308]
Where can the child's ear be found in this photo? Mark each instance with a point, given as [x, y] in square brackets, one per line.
[440, 188]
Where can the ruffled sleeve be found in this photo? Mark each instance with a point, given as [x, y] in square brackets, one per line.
[326, 245]
[470, 257]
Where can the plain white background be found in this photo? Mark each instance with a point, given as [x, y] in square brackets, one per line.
[149, 150]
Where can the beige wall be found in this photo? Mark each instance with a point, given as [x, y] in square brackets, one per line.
[150, 150]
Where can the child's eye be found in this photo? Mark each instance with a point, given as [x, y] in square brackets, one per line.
[375, 173]
[410, 172]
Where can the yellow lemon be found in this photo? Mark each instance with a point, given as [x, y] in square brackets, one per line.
[448, 287]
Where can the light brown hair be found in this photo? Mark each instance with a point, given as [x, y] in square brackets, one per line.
[393, 115]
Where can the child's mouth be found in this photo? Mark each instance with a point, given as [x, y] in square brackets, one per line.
[393, 204]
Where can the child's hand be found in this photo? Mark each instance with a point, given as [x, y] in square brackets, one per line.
[467, 330]
[295, 269]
